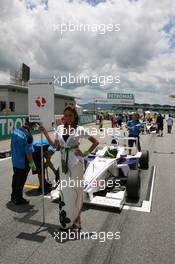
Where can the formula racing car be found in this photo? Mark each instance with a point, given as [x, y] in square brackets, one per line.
[113, 173]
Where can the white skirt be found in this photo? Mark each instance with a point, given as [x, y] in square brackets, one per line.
[71, 194]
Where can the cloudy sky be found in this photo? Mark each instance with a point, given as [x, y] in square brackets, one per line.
[141, 53]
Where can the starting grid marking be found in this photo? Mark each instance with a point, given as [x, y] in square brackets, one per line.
[31, 186]
[146, 205]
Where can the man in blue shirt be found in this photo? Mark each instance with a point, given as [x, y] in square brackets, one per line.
[48, 151]
[119, 120]
[22, 160]
[134, 127]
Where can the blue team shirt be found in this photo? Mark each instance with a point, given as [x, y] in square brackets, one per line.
[21, 144]
[45, 142]
[134, 131]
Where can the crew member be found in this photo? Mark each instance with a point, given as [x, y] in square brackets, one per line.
[22, 160]
[134, 127]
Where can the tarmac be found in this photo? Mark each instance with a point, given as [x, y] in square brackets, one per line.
[145, 237]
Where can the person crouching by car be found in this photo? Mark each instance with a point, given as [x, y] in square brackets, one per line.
[22, 160]
[48, 151]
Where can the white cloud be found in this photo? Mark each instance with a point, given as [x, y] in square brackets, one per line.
[141, 52]
[4, 77]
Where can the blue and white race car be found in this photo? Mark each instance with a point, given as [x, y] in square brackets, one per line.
[113, 173]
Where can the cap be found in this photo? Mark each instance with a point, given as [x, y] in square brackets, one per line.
[27, 122]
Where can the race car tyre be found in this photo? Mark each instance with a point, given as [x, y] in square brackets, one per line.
[144, 160]
[133, 185]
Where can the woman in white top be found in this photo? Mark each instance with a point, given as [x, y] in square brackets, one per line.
[67, 139]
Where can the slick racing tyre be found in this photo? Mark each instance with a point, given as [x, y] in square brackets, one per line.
[133, 185]
[144, 160]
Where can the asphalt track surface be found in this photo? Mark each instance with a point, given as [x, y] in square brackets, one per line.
[144, 237]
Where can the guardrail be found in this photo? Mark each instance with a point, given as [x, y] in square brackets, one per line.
[86, 119]
[8, 123]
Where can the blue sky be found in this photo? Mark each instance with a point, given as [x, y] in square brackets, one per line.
[32, 4]
[94, 2]
[168, 27]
